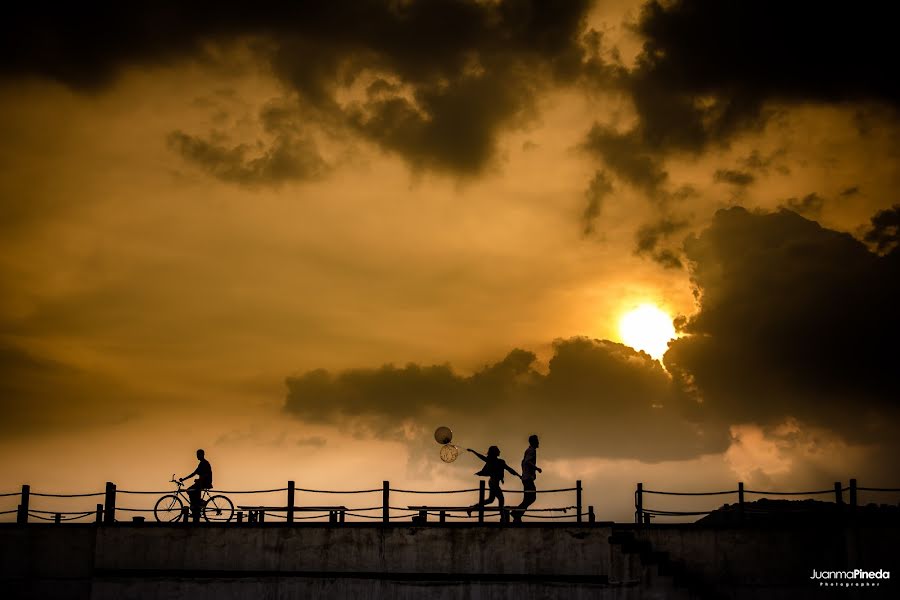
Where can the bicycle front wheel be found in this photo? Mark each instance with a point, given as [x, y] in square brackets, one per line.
[168, 509]
[218, 509]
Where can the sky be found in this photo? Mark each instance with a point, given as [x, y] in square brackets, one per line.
[303, 235]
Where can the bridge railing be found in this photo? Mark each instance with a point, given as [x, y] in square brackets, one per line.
[643, 514]
[115, 504]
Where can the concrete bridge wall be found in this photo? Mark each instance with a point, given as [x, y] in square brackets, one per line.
[445, 562]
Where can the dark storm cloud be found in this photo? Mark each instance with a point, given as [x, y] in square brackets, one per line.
[598, 398]
[40, 395]
[739, 179]
[810, 205]
[628, 157]
[795, 320]
[288, 158]
[454, 73]
[884, 234]
[599, 188]
[709, 70]
[747, 51]
[650, 241]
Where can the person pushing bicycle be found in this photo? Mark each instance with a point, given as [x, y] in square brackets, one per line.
[203, 482]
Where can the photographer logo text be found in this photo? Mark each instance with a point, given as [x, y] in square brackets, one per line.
[854, 578]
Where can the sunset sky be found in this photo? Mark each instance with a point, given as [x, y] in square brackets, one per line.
[302, 235]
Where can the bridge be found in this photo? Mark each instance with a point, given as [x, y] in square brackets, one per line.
[569, 557]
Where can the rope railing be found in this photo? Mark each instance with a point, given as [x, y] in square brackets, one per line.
[642, 513]
[432, 491]
[88, 495]
[59, 518]
[334, 491]
[106, 509]
[813, 493]
[691, 493]
[284, 489]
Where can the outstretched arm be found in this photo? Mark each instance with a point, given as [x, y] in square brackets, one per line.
[511, 470]
[190, 474]
[481, 456]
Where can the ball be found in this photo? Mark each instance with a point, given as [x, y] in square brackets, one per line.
[443, 435]
[449, 453]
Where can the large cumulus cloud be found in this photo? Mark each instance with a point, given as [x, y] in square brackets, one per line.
[597, 398]
[795, 320]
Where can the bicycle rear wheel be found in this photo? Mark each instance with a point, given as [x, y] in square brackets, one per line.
[218, 509]
[168, 509]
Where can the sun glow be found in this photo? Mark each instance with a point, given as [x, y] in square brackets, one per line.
[647, 328]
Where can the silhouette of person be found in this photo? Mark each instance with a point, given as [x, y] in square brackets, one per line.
[203, 482]
[529, 474]
[494, 468]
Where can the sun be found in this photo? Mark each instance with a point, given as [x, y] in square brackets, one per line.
[647, 328]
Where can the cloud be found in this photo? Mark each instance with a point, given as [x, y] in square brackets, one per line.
[650, 241]
[739, 179]
[288, 158]
[599, 188]
[626, 154]
[42, 395]
[717, 64]
[810, 205]
[884, 233]
[453, 74]
[785, 327]
[711, 71]
[597, 398]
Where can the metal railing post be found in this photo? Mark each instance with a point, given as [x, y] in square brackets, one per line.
[22, 515]
[578, 500]
[57, 518]
[838, 493]
[109, 509]
[481, 501]
[852, 493]
[591, 517]
[740, 501]
[639, 504]
[386, 501]
[99, 513]
[290, 502]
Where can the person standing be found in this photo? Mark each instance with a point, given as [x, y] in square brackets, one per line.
[529, 474]
[203, 482]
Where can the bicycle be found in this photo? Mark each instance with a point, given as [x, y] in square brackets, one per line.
[214, 508]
